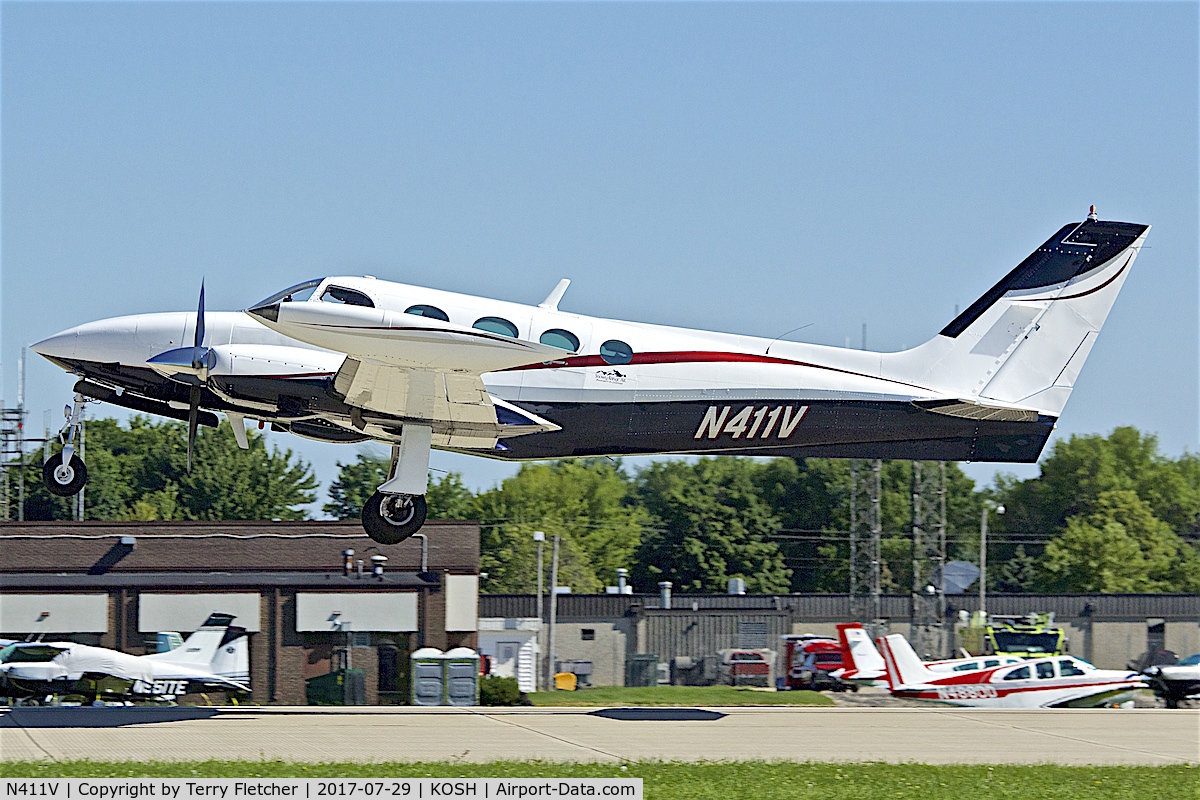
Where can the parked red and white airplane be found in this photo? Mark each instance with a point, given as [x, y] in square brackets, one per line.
[1053, 682]
[867, 668]
[418, 368]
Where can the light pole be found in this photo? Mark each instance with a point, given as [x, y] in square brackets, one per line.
[988, 504]
[540, 538]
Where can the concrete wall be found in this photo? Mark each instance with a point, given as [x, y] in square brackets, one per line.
[1115, 644]
[1183, 638]
[606, 651]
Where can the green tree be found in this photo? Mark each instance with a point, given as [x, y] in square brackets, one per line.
[140, 472]
[1017, 574]
[354, 485]
[587, 502]
[712, 525]
[1120, 547]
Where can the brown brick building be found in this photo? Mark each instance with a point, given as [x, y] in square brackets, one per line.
[118, 584]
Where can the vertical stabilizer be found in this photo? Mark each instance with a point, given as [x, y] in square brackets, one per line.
[858, 652]
[904, 667]
[1024, 341]
[199, 649]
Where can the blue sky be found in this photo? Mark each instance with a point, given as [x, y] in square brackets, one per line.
[749, 168]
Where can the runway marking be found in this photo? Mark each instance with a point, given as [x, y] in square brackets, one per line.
[549, 735]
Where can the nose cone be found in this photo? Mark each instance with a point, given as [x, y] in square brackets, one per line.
[60, 345]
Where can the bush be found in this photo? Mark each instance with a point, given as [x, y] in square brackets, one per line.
[497, 691]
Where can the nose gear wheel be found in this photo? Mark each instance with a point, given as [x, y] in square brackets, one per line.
[64, 480]
[392, 518]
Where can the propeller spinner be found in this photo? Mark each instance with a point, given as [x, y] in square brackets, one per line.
[189, 365]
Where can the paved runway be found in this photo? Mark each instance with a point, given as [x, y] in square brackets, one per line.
[934, 736]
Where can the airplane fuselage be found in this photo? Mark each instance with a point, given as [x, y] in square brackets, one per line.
[628, 388]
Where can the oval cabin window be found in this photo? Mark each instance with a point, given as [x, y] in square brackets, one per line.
[557, 337]
[496, 325]
[338, 294]
[433, 312]
[614, 351]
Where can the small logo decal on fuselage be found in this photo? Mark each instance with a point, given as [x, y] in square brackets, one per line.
[610, 376]
[751, 422]
[160, 687]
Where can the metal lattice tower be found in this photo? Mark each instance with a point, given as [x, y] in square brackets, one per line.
[927, 623]
[866, 525]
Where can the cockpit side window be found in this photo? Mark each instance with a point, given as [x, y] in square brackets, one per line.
[433, 312]
[293, 294]
[1018, 674]
[350, 297]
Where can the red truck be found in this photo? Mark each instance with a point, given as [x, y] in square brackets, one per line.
[810, 659]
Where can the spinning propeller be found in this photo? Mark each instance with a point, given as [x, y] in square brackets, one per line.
[190, 365]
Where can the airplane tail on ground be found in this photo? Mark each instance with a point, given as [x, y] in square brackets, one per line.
[1017, 350]
[904, 667]
[858, 652]
[201, 648]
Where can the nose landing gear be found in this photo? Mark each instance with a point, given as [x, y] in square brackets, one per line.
[66, 479]
[65, 474]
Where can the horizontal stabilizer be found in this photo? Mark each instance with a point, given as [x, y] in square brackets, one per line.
[967, 409]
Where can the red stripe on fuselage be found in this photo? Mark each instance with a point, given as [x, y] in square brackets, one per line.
[698, 357]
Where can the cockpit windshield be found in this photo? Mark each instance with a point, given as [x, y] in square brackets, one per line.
[296, 294]
[22, 652]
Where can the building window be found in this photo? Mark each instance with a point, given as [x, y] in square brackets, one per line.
[587, 634]
[496, 325]
[360, 638]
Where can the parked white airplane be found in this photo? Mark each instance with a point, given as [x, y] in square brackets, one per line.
[420, 368]
[214, 658]
[864, 666]
[1053, 682]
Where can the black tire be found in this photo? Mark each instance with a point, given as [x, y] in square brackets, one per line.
[64, 481]
[392, 518]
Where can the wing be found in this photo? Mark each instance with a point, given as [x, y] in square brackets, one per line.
[401, 367]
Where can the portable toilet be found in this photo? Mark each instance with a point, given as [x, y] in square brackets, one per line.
[461, 677]
[426, 677]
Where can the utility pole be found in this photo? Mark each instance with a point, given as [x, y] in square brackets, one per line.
[866, 526]
[928, 598]
[553, 615]
[540, 538]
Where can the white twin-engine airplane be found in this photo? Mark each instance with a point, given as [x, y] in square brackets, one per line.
[347, 359]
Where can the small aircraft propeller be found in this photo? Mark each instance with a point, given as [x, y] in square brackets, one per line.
[189, 365]
[195, 360]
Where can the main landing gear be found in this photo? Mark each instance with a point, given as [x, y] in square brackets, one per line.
[65, 474]
[397, 510]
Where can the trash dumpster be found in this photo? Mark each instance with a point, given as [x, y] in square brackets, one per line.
[426, 677]
[343, 687]
[461, 677]
[641, 669]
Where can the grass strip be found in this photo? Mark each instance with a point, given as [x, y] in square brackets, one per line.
[760, 780]
[678, 696]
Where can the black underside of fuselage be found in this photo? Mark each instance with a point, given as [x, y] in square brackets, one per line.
[825, 428]
[828, 429]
